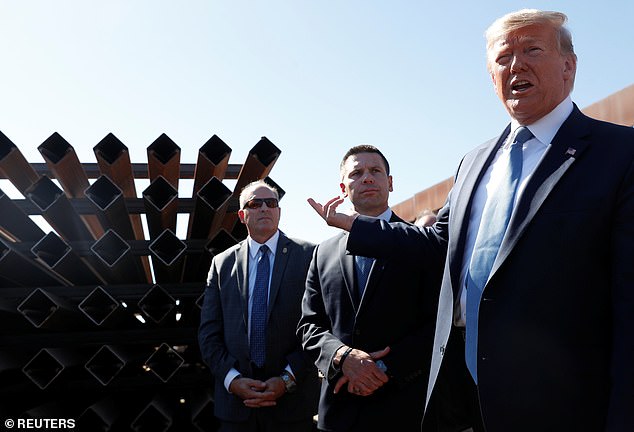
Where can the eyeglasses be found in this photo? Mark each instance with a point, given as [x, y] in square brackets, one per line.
[256, 203]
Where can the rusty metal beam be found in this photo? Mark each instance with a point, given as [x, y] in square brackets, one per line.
[17, 269]
[197, 263]
[163, 157]
[280, 192]
[58, 256]
[110, 206]
[161, 206]
[135, 206]
[108, 362]
[48, 364]
[258, 165]
[157, 304]
[99, 306]
[57, 210]
[15, 223]
[139, 170]
[63, 163]
[44, 309]
[210, 207]
[213, 160]
[13, 165]
[157, 416]
[114, 161]
[167, 257]
[116, 254]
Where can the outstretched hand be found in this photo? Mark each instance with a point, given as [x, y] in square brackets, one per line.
[328, 212]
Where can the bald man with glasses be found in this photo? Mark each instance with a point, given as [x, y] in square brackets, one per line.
[262, 379]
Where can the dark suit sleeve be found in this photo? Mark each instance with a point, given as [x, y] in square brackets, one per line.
[621, 408]
[410, 356]
[210, 334]
[379, 239]
[422, 252]
[314, 328]
[298, 359]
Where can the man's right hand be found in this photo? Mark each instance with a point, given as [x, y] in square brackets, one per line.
[361, 373]
[328, 212]
[252, 391]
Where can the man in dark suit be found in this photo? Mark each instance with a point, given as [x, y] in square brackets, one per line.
[263, 379]
[368, 324]
[545, 340]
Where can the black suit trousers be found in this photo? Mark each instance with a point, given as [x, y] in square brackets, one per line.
[454, 404]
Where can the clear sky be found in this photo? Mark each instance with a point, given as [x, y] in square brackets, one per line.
[315, 77]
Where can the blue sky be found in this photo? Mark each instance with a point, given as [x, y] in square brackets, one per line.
[315, 77]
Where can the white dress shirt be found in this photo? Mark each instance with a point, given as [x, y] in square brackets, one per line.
[533, 150]
[254, 250]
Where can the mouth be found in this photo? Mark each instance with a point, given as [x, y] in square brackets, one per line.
[520, 86]
[369, 191]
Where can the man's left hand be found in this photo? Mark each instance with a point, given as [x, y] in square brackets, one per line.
[274, 390]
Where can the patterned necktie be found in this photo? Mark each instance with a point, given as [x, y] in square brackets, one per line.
[363, 265]
[257, 342]
[495, 218]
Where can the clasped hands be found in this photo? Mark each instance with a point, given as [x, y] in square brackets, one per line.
[361, 374]
[256, 393]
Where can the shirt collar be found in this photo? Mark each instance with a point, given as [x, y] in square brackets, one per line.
[254, 247]
[385, 216]
[546, 127]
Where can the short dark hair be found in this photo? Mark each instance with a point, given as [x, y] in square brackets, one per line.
[364, 148]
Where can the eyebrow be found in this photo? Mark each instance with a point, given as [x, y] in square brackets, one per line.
[503, 42]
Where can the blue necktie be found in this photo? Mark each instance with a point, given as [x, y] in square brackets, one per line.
[363, 265]
[257, 342]
[495, 218]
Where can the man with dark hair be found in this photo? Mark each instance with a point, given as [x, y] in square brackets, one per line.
[363, 148]
[368, 324]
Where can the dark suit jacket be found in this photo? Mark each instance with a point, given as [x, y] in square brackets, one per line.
[395, 311]
[556, 326]
[223, 335]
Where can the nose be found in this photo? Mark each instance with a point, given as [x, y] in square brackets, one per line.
[368, 177]
[517, 63]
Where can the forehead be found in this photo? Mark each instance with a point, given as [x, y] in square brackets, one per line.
[535, 33]
[360, 160]
[260, 192]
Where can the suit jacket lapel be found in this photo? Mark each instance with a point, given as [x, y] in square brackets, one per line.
[242, 266]
[470, 173]
[375, 272]
[281, 260]
[347, 267]
[567, 145]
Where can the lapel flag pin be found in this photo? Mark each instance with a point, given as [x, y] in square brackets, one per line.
[571, 151]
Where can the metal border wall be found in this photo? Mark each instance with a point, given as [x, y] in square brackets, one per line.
[99, 321]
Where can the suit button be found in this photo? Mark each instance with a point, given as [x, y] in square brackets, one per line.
[357, 332]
